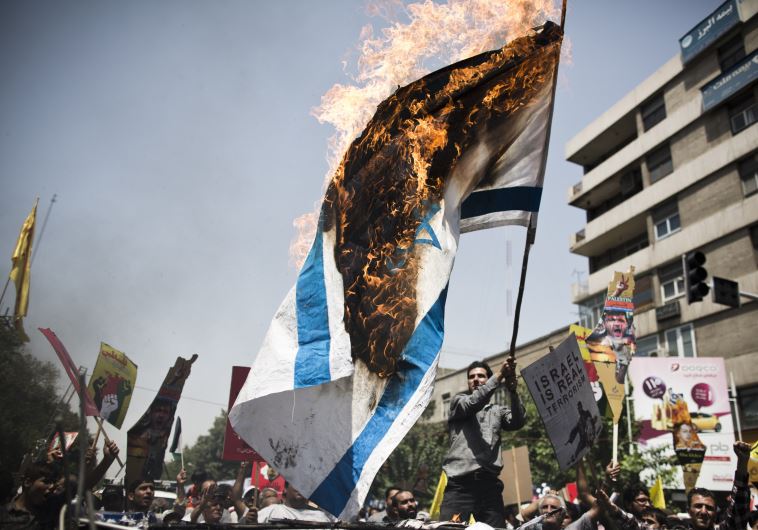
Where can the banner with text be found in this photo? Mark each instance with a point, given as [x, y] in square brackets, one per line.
[561, 390]
[112, 383]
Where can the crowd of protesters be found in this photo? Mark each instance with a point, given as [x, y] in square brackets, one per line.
[48, 489]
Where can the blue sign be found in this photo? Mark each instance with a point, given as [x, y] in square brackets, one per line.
[731, 82]
[724, 18]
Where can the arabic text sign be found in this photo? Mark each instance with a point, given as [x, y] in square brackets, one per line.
[724, 18]
[561, 390]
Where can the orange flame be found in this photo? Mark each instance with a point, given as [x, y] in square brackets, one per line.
[418, 38]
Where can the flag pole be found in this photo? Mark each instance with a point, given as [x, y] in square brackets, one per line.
[99, 421]
[44, 224]
[532, 225]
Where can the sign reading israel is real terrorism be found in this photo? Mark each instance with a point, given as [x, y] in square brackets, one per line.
[349, 360]
[561, 390]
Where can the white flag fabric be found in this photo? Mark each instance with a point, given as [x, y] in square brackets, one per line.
[348, 363]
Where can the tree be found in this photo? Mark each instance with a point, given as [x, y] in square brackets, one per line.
[206, 453]
[29, 400]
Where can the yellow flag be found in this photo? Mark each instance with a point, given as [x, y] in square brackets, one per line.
[434, 511]
[471, 519]
[656, 495]
[752, 466]
[21, 270]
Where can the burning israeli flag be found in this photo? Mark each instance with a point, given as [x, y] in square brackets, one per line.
[349, 361]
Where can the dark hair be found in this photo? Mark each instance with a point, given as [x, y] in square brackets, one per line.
[659, 515]
[199, 476]
[134, 484]
[703, 492]
[630, 492]
[479, 364]
[573, 511]
[753, 517]
[393, 501]
[387, 491]
[37, 470]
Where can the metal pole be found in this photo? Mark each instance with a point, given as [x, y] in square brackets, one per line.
[733, 399]
[42, 230]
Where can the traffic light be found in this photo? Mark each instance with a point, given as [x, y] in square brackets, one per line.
[694, 276]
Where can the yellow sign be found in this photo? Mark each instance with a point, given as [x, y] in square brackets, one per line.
[112, 383]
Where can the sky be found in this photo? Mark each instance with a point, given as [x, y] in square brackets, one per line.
[178, 139]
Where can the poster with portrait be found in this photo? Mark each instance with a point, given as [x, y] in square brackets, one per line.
[683, 404]
[612, 340]
[560, 388]
[112, 383]
[147, 440]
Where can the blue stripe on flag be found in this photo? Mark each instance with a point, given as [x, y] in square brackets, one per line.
[312, 360]
[419, 354]
[525, 198]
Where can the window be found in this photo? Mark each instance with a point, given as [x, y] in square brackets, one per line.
[643, 292]
[647, 346]
[748, 170]
[748, 399]
[666, 220]
[731, 53]
[653, 112]
[590, 311]
[659, 163]
[445, 405]
[672, 281]
[743, 113]
[681, 342]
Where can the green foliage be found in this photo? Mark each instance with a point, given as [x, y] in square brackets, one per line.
[416, 462]
[206, 453]
[29, 400]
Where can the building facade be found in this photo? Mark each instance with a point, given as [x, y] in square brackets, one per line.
[450, 382]
[673, 168]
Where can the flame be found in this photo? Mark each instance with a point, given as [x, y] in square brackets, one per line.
[418, 38]
[392, 174]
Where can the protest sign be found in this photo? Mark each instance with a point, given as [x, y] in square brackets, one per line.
[561, 390]
[55, 443]
[235, 448]
[671, 391]
[112, 383]
[147, 440]
[612, 340]
[516, 476]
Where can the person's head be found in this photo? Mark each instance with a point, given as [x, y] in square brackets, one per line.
[225, 492]
[271, 473]
[701, 506]
[653, 518]
[249, 497]
[477, 374]
[198, 477]
[38, 484]
[293, 498]
[140, 494]
[388, 494]
[548, 505]
[160, 415]
[636, 499]
[214, 508]
[615, 324]
[113, 498]
[570, 515]
[404, 505]
[268, 497]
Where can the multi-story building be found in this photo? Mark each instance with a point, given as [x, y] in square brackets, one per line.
[673, 168]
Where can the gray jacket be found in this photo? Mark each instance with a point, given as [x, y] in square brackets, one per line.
[474, 425]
